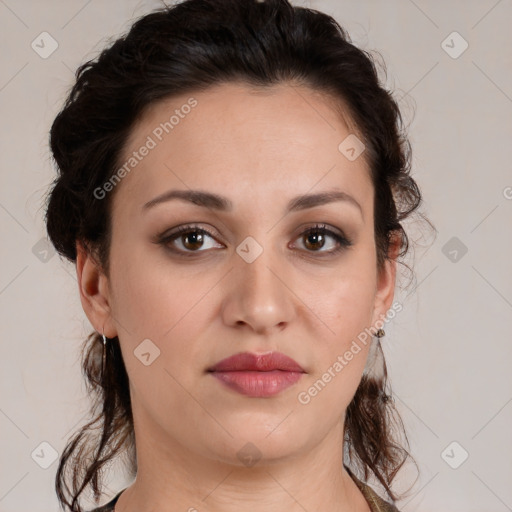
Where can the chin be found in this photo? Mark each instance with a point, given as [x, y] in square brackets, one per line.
[257, 446]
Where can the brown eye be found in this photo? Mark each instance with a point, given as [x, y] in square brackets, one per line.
[192, 240]
[314, 240]
[317, 237]
[188, 239]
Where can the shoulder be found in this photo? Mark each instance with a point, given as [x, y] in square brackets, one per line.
[376, 503]
[108, 507]
[105, 508]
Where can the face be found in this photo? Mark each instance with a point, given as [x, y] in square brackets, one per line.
[244, 276]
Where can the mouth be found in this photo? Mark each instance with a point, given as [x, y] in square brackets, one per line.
[257, 375]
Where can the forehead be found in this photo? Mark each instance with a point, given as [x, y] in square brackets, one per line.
[242, 141]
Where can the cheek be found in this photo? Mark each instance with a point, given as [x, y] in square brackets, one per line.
[154, 300]
[344, 348]
[153, 303]
[340, 353]
[345, 307]
[347, 298]
[148, 296]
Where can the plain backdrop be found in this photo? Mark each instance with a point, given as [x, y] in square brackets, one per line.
[449, 352]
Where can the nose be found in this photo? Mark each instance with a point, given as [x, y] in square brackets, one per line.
[258, 296]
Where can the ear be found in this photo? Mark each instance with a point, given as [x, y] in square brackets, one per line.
[94, 291]
[385, 289]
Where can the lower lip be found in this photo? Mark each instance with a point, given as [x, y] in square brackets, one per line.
[258, 384]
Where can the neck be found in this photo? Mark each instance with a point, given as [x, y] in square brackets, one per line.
[171, 477]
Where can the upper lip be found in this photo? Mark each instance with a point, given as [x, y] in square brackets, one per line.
[248, 361]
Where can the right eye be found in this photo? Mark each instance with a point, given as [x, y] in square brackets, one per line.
[191, 238]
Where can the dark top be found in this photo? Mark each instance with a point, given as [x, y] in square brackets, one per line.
[375, 502]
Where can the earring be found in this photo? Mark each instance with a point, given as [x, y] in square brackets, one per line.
[375, 363]
[104, 357]
[383, 395]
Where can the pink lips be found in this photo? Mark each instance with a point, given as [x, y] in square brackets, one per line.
[257, 375]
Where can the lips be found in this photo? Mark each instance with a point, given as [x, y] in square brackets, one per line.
[247, 361]
[257, 375]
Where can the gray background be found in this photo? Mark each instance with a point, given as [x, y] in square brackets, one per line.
[449, 352]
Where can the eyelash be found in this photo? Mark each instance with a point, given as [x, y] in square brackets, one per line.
[165, 240]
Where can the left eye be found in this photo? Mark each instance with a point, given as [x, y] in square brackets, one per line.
[192, 240]
[316, 236]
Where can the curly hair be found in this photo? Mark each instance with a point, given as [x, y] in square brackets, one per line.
[189, 47]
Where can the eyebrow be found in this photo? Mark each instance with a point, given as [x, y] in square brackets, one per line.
[220, 203]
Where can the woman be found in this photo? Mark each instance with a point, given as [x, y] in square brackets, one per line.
[232, 183]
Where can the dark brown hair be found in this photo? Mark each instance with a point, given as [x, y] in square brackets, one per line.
[190, 47]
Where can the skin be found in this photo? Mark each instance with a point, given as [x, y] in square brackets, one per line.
[259, 148]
